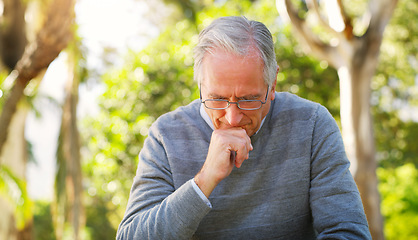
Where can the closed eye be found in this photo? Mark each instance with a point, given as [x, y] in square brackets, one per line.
[247, 97]
[215, 96]
[250, 97]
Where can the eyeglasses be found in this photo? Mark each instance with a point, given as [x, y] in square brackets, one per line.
[220, 104]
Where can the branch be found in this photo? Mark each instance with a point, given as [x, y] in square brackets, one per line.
[50, 41]
[381, 11]
[348, 30]
[316, 46]
[313, 5]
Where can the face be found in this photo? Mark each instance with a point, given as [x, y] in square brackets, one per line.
[230, 77]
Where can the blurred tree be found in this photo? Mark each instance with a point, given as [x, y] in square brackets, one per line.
[26, 50]
[51, 38]
[354, 53]
[68, 209]
[12, 33]
[12, 171]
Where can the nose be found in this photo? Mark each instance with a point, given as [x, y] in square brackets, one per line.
[233, 115]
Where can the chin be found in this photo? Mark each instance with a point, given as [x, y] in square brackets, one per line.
[250, 133]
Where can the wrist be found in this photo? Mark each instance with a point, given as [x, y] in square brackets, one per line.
[205, 184]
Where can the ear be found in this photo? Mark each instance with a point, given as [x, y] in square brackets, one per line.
[273, 86]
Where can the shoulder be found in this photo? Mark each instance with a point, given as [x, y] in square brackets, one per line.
[183, 119]
[289, 108]
[288, 101]
[292, 107]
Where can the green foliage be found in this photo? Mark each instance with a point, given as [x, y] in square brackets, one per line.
[42, 218]
[400, 201]
[13, 189]
[97, 223]
[395, 89]
[396, 140]
[399, 51]
[3, 88]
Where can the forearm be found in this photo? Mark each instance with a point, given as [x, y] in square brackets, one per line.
[176, 217]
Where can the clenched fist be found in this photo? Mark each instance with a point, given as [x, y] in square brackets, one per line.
[219, 164]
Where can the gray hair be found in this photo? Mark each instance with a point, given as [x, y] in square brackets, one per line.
[236, 35]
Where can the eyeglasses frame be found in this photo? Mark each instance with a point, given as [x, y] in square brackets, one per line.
[237, 102]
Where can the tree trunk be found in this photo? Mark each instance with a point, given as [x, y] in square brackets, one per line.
[12, 32]
[68, 202]
[357, 128]
[8, 228]
[15, 158]
[51, 39]
[357, 125]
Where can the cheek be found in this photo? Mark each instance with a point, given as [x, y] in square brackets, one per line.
[216, 114]
[256, 118]
[252, 118]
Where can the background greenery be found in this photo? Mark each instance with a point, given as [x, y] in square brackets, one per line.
[159, 78]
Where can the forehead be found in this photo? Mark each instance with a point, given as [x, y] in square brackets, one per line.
[226, 69]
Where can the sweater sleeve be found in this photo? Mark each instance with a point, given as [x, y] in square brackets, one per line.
[337, 210]
[156, 210]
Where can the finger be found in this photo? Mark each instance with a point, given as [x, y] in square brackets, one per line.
[236, 140]
[241, 133]
[233, 156]
[242, 152]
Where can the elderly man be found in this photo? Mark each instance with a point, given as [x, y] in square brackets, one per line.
[244, 161]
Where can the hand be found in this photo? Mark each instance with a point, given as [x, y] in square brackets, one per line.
[218, 164]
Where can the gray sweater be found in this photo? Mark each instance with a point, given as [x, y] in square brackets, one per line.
[296, 183]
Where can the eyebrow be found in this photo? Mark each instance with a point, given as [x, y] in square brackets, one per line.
[246, 97]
